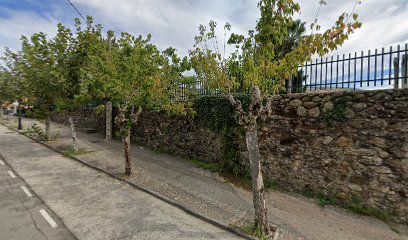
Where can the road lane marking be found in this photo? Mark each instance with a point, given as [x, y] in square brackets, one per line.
[11, 174]
[1, 163]
[25, 190]
[48, 218]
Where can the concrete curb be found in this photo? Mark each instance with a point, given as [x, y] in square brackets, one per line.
[221, 225]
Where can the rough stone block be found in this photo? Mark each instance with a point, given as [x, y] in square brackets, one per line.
[314, 112]
[301, 111]
[371, 160]
[344, 142]
[328, 107]
[359, 106]
[295, 103]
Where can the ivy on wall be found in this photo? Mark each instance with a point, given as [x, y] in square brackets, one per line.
[217, 113]
[337, 114]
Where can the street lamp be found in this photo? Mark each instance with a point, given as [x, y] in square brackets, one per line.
[19, 125]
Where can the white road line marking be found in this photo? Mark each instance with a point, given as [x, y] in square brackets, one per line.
[25, 190]
[11, 174]
[48, 218]
[1, 163]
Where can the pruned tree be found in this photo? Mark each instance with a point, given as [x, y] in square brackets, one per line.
[131, 73]
[11, 80]
[40, 67]
[6, 89]
[263, 72]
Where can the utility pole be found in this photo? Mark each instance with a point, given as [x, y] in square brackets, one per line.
[108, 106]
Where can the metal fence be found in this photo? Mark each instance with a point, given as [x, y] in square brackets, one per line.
[370, 70]
[378, 69]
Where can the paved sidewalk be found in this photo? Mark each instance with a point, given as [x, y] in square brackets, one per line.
[213, 197]
[93, 205]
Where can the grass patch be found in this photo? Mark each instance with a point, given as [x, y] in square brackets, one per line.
[213, 167]
[396, 230]
[358, 207]
[325, 200]
[308, 193]
[250, 229]
[355, 205]
[274, 185]
[73, 153]
[240, 179]
[28, 131]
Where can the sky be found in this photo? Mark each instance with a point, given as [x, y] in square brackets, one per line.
[174, 22]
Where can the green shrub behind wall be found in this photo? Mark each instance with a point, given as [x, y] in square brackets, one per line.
[217, 113]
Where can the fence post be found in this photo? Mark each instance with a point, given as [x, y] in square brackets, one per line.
[73, 134]
[108, 135]
[290, 82]
[404, 69]
[396, 73]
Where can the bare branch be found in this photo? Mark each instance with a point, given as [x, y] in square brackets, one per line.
[241, 115]
[267, 109]
[135, 115]
[256, 107]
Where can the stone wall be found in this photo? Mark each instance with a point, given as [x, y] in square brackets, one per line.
[348, 144]
[184, 136]
[85, 118]
[344, 144]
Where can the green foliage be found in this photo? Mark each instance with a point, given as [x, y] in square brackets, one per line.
[308, 193]
[131, 72]
[395, 229]
[357, 206]
[8, 87]
[73, 153]
[337, 114]
[255, 231]
[217, 113]
[40, 62]
[273, 184]
[326, 199]
[101, 109]
[35, 113]
[213, 167]
[231, 155]
[270, 55]
[37, 132]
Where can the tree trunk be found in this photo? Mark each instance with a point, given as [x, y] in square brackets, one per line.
[261, 218]
[126, 148]
[48, 126]
[73, 133]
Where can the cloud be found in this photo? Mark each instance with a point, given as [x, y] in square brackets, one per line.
[18, 23]
[174, 22]
[384, 22]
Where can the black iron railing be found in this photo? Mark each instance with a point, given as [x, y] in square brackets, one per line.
[378, 69]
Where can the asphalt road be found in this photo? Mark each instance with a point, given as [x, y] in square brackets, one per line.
[82, 202]
[22, 213]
